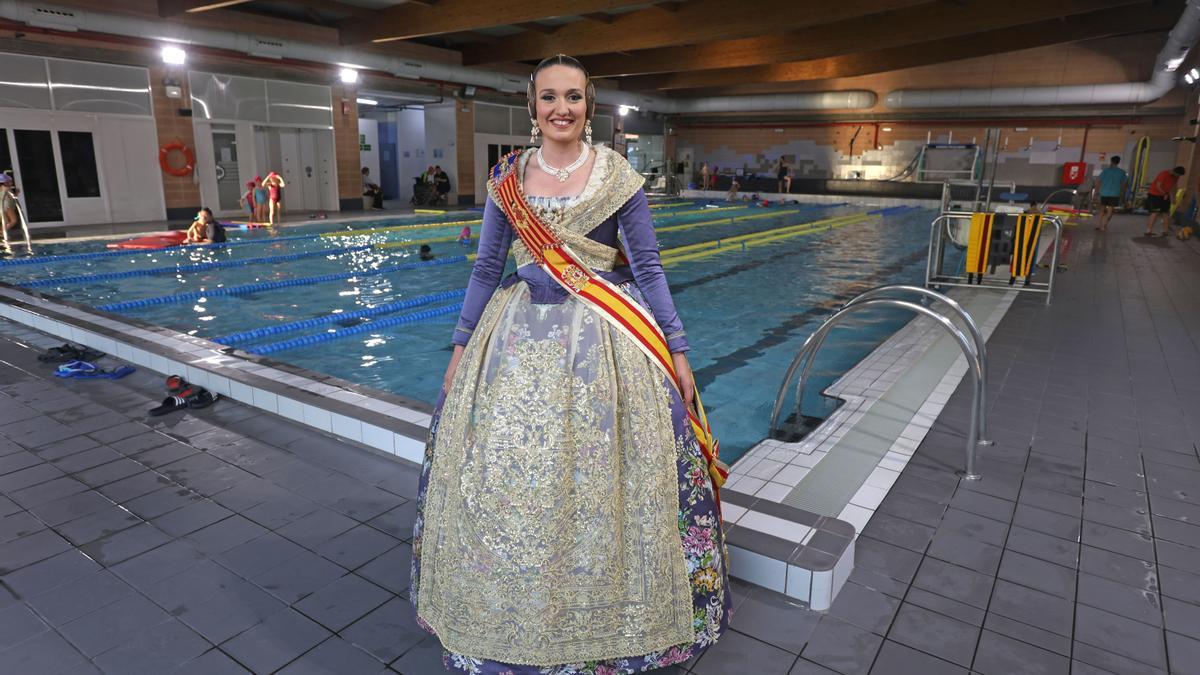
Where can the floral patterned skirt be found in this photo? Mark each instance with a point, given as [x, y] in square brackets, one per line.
[565, 520]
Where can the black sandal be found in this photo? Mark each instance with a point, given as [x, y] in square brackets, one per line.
[169, 404]
[69, 352]
[199, 397]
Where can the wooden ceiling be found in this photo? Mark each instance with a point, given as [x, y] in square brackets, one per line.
[707, 45]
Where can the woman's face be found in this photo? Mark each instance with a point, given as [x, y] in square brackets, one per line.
[561, 103]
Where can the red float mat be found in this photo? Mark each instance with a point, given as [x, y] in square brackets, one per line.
[152, 241]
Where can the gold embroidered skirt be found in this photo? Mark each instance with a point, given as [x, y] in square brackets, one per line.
[552, 528]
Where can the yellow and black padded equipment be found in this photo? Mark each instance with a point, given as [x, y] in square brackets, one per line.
[1025, 241]
[979, 243]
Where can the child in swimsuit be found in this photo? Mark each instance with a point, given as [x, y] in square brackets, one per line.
[260, 200]
[464, 237]
[248, 199]
[274, 182]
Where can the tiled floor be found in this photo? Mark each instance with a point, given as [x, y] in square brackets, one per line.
[227, 540]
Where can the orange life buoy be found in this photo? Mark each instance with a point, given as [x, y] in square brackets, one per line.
[189, 159]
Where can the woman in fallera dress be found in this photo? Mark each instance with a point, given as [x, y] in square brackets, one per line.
[567, 516]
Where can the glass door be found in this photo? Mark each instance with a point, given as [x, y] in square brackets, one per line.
[229, 182]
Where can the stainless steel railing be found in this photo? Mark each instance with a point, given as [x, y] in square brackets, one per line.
[973, 349]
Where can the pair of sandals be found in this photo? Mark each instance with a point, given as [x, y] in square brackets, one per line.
[83, 370]
[183, 395]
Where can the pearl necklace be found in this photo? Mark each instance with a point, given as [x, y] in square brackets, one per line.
[563, 174]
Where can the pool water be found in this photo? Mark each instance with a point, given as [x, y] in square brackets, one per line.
[746, 311]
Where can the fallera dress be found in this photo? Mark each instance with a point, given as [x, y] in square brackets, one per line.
[566, 523]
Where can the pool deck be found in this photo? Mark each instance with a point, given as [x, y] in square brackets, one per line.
[228, 539]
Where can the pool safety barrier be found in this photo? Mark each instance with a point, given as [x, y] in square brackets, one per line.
[973, 349]
[51, 259]
[991, 243]
[198, 267]
[355, 330]
[265, 331]
[401, 228]
[273, 285]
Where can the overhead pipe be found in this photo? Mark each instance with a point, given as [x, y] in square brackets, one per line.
[1180, 40]
[56, 17]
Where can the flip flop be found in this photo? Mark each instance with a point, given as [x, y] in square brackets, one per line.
[199, 397]
[169, 404]
[69, 352]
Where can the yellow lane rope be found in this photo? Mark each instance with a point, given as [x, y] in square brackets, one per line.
[807, 229]
[725, 221]
[416, 242]
[402, 228]
[724, 241]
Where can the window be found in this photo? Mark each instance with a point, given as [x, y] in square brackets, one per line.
[79, 164]
[5, 155]
[39, 178]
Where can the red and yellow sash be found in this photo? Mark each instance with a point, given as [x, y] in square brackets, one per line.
[553, 255]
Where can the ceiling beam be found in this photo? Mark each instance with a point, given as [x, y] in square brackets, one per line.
[691, 23]
[1102, 24]
[168, 8]
[892, 29]
[353, 11]
[536, 27]
[454, 16]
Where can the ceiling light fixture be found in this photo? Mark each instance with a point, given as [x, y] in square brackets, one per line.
[366, 101]
[349, 75]
[173, 55]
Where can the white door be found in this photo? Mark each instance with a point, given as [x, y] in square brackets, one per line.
[56, 166]
[327, 171]
[129, 156]
[289, 167]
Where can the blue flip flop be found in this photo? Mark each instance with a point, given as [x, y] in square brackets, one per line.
[82, 370]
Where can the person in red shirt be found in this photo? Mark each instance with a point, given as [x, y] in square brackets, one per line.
[1159, 197]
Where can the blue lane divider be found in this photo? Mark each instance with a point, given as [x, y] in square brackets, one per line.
[891, 210]
[258, 333]
[355, 330]
[269, 285]
[49, 259]
[198, 267]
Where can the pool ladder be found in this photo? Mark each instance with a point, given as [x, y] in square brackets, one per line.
[972, 344]
[24, 228]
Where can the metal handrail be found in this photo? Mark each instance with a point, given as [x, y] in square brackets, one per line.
[977, 338]
[24, 227]
[818, 337]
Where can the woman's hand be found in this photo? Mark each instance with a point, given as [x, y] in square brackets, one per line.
[454, 358]
[684, 372]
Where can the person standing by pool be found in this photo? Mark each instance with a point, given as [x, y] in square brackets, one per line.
[1159, 197]
[781, 174]
[8, 202]
[247, 200]
[274, 184]
[569, 483]
[260, 201]
[1112, 186]
[703, 175]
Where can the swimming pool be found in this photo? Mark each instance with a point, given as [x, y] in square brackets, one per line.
[750, 284]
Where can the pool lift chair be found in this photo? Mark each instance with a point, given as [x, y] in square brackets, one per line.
[971, 342]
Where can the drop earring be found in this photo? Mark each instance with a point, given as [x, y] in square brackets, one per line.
[533, 133]
[587, 132]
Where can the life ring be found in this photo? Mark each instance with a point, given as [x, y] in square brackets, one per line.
[189, 159]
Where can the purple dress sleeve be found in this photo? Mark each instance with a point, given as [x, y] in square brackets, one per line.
[495, 237]
[641, 245]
